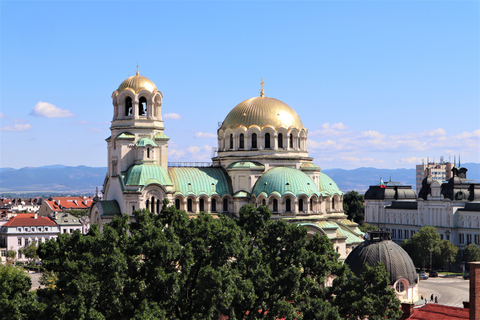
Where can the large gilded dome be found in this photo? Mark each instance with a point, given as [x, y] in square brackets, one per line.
[136, 83]
[262, 111]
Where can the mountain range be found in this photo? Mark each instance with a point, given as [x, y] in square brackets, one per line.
[83, 180]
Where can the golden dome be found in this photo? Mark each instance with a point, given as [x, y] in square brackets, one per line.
[262, 111]
[137, 83]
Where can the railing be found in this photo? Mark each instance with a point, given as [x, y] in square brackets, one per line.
[190, 164]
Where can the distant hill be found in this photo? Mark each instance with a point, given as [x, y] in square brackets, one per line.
[84, 180]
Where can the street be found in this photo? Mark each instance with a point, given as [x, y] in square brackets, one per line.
[450, 291]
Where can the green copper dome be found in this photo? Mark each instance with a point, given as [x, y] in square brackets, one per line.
[327, 185]
[145, 142]
[145, 174]
[284, 180]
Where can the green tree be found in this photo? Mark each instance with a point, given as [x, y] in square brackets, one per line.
[11, 254]
[368, 227]
[423, 245]
[367, 296]
[353, 206]
[16, 301]
[472, 252]
[446, 255]
[30, 252]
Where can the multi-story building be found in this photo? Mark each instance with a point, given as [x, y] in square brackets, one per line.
[62, 204]
[439, 171]
[452, 207]
[25, 229]
[261, 159]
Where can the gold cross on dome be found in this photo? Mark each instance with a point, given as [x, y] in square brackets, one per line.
[137, 69]
[262, 93]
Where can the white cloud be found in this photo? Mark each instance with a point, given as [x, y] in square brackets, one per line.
[94, 130]
[172, 116]
[80, 122]
[17, 127]
[205, 135]
[175, 154]
[330, 130]
[48, 110]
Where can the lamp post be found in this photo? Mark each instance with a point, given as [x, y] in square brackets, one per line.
[430, 260]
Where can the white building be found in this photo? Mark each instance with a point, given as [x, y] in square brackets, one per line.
[453, 208]
[261, 159]
[439, 171]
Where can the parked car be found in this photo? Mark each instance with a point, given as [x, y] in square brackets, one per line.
[433, 274]
[466, 276]
[423, 275]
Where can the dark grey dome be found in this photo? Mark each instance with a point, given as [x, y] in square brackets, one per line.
[379, 248]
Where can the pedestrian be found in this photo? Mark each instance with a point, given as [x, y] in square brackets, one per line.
[421, 298]
[436, 299]
[425, 300]
[431, 297]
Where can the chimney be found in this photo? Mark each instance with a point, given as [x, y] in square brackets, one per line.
[474, 290]
[35, 216]
[407, 309]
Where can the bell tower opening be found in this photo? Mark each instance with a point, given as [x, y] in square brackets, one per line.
[142, 106]
[128, 106]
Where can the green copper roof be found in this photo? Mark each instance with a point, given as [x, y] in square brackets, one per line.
[309, 166]
[145, 174]
[328, 185]
[198, 181]
[351, 238]
[246, 165]
[145, 142]
[125, 135]
[109, 208]
[161, 136]
[327, 225]
[285, 180]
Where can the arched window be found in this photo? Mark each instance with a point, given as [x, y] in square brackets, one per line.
[147, 204]
[225, 205]
[280, 140]
[214, 205]
[311, 204]
[264, 202]
[142, 106]
[133, 209]
[254, 141]
[128, 106]
[288, 205]
[202, 205]
[148, 153]
[177, 204]
[300, 205]
[291, 140]
[242, 141]
[275, 205]
[189, 205]
[267, 140]
[231, 141]
[333, 203]
[158, 205]
[400, 286]
[152, 204]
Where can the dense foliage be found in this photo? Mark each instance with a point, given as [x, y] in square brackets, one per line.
[168, 266]
[353, 206]
[472, 252]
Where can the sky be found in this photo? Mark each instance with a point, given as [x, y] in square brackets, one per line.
[382, 84]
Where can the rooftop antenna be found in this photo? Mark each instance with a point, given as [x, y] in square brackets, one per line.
[459, 165]
[262, 93]
[454, 161]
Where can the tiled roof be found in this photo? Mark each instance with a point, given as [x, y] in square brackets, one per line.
[145, 174]
[198, 181]
[65, 203]
[28, 219]
[439, 312]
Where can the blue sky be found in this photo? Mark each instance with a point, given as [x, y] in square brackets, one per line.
[377, 83]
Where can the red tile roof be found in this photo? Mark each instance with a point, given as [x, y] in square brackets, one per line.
[66, 203]
[27, 220]
[439, 312]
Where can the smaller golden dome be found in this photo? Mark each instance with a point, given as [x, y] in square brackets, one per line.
[137, 83]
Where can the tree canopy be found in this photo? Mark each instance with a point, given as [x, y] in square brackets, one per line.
[472, 252]
[353, 206]
[167, 266]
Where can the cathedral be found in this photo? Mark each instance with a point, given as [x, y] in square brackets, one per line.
[261, 159]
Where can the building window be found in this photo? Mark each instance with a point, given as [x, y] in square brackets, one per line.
[461, 238]
[158, 205]
[202, 205]
[71, 230]
[264, 202]
[254, 141]
[189, 205]
[477, 239]
[231, 141]
[242, 141]
[406, 234]
[267, 140]
[128, 106]
[400, 286]
[394, 233]
[19, 241]
[441, 236]
[280, 140]
[225, 205]
[311, 205]
[214, 205]
[177, 204]
[4, 253]
[275, 205]
[19, 229]
[469, 238]
[291, 140]
[142, 106]
[300, 205]
[288, 205]
[27, 242]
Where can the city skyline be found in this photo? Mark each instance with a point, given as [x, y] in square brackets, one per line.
[377, 84]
